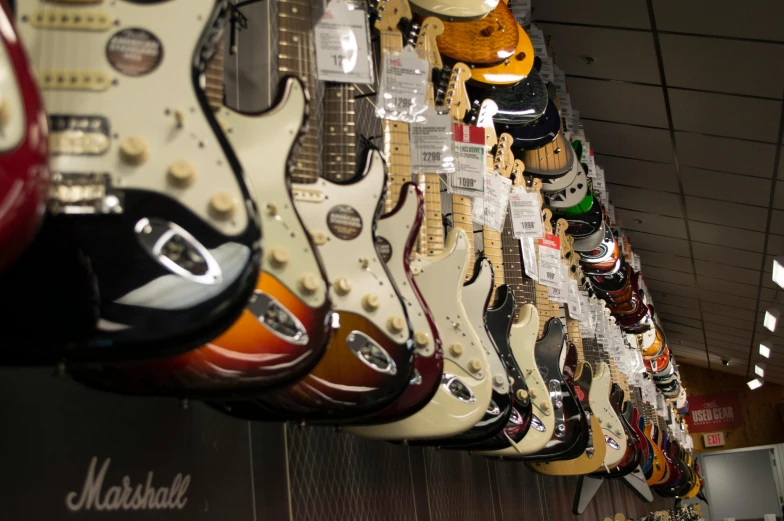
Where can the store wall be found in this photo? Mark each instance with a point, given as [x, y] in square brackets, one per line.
[762, 421]
[741, 485]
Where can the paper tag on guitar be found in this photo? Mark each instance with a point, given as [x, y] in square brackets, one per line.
[525, 213]
[559, 81]
[521, 9]
[546, 72]
[573, 301]
[470, 161]
[430, 144]
[342, 40]
[550, 260]
[538, 41]
[402, 87]
[490, 210]
[559, 293]
[529, 258]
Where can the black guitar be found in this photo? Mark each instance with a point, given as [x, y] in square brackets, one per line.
[521, 104]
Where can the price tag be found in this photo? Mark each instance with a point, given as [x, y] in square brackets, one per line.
[550, 260]
[559, 294]
[529, 258]
[525, 213]
[342, 42]
[566, 107]
[546, 72]
[401, 90]
[573, 301]
[470, 160]
[575, 125]
[430, 144]
[599, 184]
[538, 41]
[490, 210]
[636, 262]
[559, 79]
[521, 9]
[589, 160]
[611, 213]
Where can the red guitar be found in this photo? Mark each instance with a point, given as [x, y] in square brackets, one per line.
[24, 147]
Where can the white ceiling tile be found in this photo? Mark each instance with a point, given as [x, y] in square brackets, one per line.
[618, 54]
[734, 331]
[646, 200]
[757, 19]
[723, 271]
[676, 311]
[726, 310]
[620, 13]
[663, 260]
[675, 319]
[738, 347]
[674, 300]
[616, 139]
[726, 154]
[727, 187]
[652, 242]
[674, 289]
[674, 341]
[685, 332]
[726, 286]
[725, 255]
[651, 223]
[725, 299]
[731, 321]
[665, 275]
[619, 101]
[713, 335]
[702, 63]
[643, 174]
[726, 213]
[726, 236]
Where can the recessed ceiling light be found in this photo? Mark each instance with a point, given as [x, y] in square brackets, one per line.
[759, 369]
[771, 317]
[778, 271]
[754, 384]
[765, 347]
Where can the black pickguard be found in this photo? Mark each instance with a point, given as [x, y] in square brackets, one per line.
[521, 104]
[538, 133]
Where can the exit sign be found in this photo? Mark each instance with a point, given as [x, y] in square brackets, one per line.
[713, 439]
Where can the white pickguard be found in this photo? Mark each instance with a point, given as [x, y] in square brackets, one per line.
[457, 8]
[440, 280]
[143, 106]
[599, 398]
[356, 260]
[474, 298]
[571, 194]
[262, 144]
[523, 342]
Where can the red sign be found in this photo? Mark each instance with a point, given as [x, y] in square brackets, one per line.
[714, 412]
[714, 439]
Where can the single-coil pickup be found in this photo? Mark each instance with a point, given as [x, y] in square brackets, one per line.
[75, 2]
[74, 80]
[306, 195]
[71, 20]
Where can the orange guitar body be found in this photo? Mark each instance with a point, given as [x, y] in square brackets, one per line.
[512, 70]
[659, 465]
[655, 349]
[487, 41]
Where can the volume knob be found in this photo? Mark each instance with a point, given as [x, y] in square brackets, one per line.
[134, 150]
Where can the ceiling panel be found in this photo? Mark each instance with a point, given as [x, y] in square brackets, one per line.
[676, 277]
[726, 255]
[724, 114]
[702, 63]
[726, 236]
[673, 289]
[675, 341]
[645, 200]
[777, 222]
[664, 260]
[726, 213]
[728, 320]
[679, 319]
[726, 310]
[725, 154]
[735, 332]
[674, 300]
[617, 139]
[726, 187]
[676, 311]
[776, 244]
[713, 335]
[619, 102]
[644, 174]
[649, 241]
[741, 347]
[723, 271]
[759, 19]
[778, 201]
[652, 223]
[618, 54]
[725, 299]
[726, 286]
[621, 13]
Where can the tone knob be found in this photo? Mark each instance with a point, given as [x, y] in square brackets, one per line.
[474, 366]
[618, 433]
[396, 324]
[533, 393]
[522, 395]
[498, 380]
[455, 350]
[134, 150]
[222, 206]
[308, 283]
[545, 405]
[5, 112]
[342, 286]
[181, 174]
[370, 302]
[279, 256]
[421, 339]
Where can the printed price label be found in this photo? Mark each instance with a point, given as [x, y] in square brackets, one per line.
[599, 184]
[573, 301]
[430, 144]
[589, 160]
[636, 262]
[490, 210]
[401, 90]
[342, 42]
[559, 293]
[611, 213]
[538, 41]
[550, 260]
[566, 107]
[560, 81]
[546, 72]
[470, 163]
[525, 213]
[575, 123]
[529, 258]
[521, 9]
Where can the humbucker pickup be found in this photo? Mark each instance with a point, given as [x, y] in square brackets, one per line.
[73, 135]
[74, 80]
[83, 193]
[71, 20]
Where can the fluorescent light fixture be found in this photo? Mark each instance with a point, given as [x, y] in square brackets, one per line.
[759, 369]
[765, 347]
[778, 271]
[771, 317]
[754, 384]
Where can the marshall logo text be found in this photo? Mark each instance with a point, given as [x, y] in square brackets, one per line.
[126, 496]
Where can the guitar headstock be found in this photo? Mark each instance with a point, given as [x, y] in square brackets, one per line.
[503, 163]
[560, 230]
[518, 168]
[425, 44]
[487, 109]
[456, 100]
[389, 14]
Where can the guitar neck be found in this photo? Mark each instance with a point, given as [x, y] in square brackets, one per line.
[544, 306]
[295, 58]
[522, 287]
[462, 218]
[340, 138]
[491, 244]
[574, 335]
[213, 84]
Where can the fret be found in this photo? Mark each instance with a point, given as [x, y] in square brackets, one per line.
[340, 147]
[213, 78]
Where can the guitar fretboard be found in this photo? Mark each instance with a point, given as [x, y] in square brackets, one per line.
[213, 75]
[340, 143]
[522, 287]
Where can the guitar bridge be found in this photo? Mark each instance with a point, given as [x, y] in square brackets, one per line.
[80, 193]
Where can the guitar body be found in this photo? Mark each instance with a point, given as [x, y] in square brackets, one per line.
[369, 361]
[595, 453]
[550, 160]
[510, 71]
[284, 330]
[397, 232]
[612, 427]
[159, 258]
[463, 397]
[24, 150]
[520, 104]
[460, 10]
[633, 457]
[659, 464]
[486, 41]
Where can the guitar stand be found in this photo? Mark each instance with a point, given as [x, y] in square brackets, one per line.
[587, 487]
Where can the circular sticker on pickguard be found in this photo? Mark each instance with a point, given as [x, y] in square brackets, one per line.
[384, 248]
[344, 222]
[134, 52]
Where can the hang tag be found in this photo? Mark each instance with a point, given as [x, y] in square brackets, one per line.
[342, 41]
[599, 184]
[470, 161]
[529, 258]
[559, 293]
[559, 79]
[636, 262]
[546, 72]
[430, 144]
[566, 107]
[575, 125]
[573, 301]
[402, 87]
[611, 213]
[589, 160]
[537, 40]
[521, 9]
[490, 210]
[526, 213]
[550, 260]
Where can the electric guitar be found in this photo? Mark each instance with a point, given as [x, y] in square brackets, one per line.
[512, 70]
[154, 229]
[520, 104]
[369, 362]
[486, 41]
[24, 160]
[550, 160]
[459, 10]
